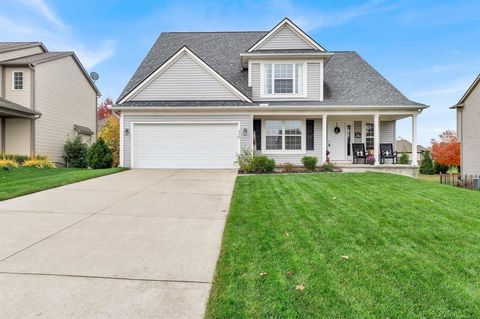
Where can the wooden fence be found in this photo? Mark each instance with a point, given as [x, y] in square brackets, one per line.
[460, 180]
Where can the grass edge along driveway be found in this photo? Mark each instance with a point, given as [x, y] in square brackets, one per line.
[348, 246]
[23, 181]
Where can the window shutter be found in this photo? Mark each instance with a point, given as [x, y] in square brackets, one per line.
[310, 135]
[257, 127]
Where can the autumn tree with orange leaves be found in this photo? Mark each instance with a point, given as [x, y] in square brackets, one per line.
[446, 150]
[104, 110]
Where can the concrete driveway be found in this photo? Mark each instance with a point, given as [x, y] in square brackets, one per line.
[137, 244]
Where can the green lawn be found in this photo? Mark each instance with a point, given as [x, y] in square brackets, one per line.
[22, 181]
[413, 249]
[431, 178]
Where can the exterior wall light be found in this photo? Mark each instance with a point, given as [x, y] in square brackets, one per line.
[126, 131]
[245, 132]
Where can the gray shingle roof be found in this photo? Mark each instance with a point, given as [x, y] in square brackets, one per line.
[82, 129]
[37, 58]
[11, 106]
[348, 79]
[8, 46]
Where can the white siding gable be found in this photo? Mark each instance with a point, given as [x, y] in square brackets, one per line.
[185, 80]
[285, 38]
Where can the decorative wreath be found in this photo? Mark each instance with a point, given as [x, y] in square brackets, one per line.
[336, 130]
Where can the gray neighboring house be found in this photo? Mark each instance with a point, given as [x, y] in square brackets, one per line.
[45, 98]
[404, 146]
[199, 98]
[468, 128]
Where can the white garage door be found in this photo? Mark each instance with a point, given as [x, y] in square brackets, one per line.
[189, 145]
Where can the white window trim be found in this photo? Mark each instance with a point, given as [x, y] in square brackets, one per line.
[274, 95]
[283, 151]
[13, 80]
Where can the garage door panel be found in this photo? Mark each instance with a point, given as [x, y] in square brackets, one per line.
[190, 145]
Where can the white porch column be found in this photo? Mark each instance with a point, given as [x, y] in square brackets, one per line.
[324, 138]
[414, 140]
[376, 138]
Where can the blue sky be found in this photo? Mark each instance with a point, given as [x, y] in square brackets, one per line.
[428, 49]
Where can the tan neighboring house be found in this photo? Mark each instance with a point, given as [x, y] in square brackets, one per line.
[404, 146]
[468, 128]
[45, 98]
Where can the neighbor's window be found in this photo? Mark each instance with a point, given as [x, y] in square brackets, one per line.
[283, 135]
[369, 134]
[285, 78]
[17, 80]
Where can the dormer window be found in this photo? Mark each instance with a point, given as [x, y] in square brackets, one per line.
[17, 82]
[283, 79]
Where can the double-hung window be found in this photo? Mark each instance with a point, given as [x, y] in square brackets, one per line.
[369, 136]
[283, 79]
[17, 82]
[283, 135]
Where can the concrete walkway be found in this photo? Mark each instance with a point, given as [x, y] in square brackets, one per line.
[138, 244]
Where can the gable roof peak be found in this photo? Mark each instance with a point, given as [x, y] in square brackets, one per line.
[286, 22]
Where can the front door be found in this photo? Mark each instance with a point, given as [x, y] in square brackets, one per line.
[337, 144]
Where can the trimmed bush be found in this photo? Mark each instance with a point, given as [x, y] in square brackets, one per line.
[75, 153]
[245, 160]
[426, 166]
[328, 167]
[99, 155]
[7, 164]
[38, 163]
[263, 164]
[310, 162]
[404, 159]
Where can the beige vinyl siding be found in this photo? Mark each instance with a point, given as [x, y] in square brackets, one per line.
[185, 80]
[65, 97]
[246, 122]
[296, 159]
[17, 136]
[22, 97]
[285, 38]
[313, 83]
[20, 53]
[387, 132]
[471, 133]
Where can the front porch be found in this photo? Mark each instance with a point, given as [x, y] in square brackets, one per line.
[331, 136]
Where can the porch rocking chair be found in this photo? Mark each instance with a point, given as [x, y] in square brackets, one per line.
[358, 150]
[386, 151]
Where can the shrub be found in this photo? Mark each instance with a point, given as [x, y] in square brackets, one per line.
[404, 159]
[38, 163]
[245, 160]
[328, 167]
[426, 166]
[99, 155]
[440, 168]
[263, 164]
[7, 164]
[310, 162]
[19, 159]
[111, 135]
[288, 167]
[75, 153]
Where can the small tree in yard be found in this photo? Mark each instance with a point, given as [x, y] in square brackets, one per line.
[446, 151]
[404, 159]
[75, 153]
[426, 166]
[99, 155]
[103, 110]
[111, 135]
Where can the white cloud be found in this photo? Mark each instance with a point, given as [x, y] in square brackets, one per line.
[46, 26]
[40, 7]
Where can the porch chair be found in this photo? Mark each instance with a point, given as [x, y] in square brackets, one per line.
[386, 151]
[358, 150]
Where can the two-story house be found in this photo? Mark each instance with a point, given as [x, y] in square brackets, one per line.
[45, 98]
[468, 128]
[199, 98]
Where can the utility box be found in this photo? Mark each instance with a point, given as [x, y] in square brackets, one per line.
[476, 182]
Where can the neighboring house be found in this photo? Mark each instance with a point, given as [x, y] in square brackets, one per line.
[198, 98]
[404, 146]
[468, 128]
[45, 98]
